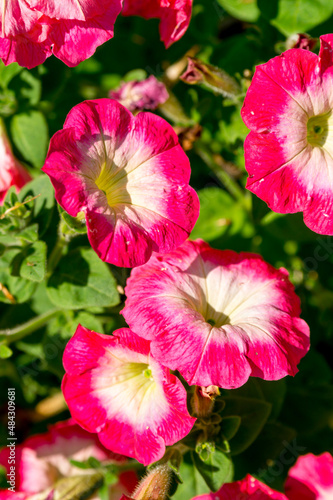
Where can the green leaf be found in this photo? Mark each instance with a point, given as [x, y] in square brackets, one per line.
[32, 261]
[43, 205]
[216, 470]
[31, 88]
[253, 413]
[309, 409]
[245, 10]
[219, 215]
[295, 16]
[29, 234]
[193, 483]
[82, 280]
[270, 391]
[135, 74]
[18, 288]
[273, 439]
[78, 223]
[230, 426]
[7, 73]
[8, 102]
[30, 135]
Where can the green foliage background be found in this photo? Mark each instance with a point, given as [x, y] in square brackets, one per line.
[265, 425]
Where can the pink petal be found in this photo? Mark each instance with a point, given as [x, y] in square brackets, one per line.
[248, 488]
[311, 478]
[175, 16]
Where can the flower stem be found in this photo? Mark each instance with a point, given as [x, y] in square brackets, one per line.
[234, 189]
[12, 334]
[65, 234]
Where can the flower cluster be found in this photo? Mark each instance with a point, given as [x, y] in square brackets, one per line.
[215, 316]
[33, 30]
[196, 316]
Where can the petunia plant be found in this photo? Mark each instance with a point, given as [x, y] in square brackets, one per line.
[165, 250]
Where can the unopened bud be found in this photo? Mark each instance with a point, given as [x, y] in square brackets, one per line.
[214, 78]
[301, 41]
[139, 95]
[203, 400]
[155, 485]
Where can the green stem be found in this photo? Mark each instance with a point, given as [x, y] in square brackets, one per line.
[65, 234]
[20, 331]
[55, 256]
[234, 189]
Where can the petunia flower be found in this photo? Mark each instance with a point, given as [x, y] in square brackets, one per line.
[311, 478]
[248, 488]
[139, 95]
[43, 459]
[289, 151]
[175, 16]
[129, 176]
[113, 386]
[32, 30]
[217, 316]
[12, 173]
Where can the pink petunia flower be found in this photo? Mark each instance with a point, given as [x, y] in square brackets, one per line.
[217, 316]
[248, 488]
[129, 176]
[175, 16]
[289, 151]
[12, 173]
[114, 387]
[311, 478]
[139, 95]
[32, 30]
[43, 459]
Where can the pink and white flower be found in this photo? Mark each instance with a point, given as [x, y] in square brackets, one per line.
[311, 478]
[289, 151]
[217, 316]
[113, 386]
[12, 173]
[139, 95]
[129, 176]
[175, 16]
[43, 459]
[34, 29]
[248, 488]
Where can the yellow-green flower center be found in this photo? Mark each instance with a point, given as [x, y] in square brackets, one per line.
[319, 128]
[105, 183]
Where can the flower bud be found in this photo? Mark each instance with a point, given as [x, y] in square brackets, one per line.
[139, 95]
[301, 41]
[155, 485]
[212, 77]
[203, 400]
